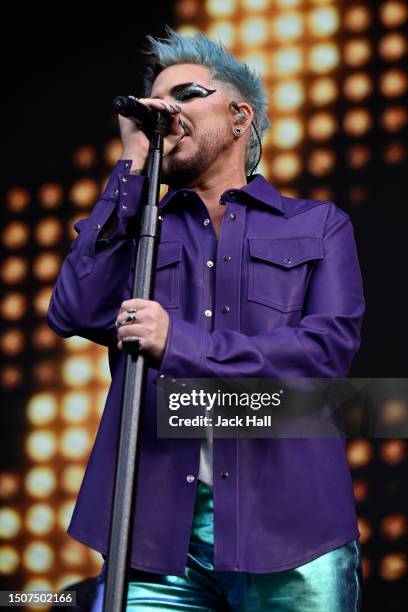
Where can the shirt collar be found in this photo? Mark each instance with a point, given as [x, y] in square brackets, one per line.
[257, 188]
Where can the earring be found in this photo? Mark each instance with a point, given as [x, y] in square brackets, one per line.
[237, 131]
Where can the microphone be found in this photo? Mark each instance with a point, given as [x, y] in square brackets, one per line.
[150, 119]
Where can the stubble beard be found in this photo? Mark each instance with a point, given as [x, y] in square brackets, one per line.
[178, 173]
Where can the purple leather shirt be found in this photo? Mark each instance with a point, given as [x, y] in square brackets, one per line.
[293, 286]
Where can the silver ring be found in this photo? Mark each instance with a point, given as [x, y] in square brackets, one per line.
[130, 310]
[131, 317]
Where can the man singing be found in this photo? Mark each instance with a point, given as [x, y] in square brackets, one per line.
[249, 283]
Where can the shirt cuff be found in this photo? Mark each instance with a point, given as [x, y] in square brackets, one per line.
[185, 349]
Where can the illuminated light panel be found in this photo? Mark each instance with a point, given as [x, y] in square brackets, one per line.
[15, 235]
[85, 157]
[41, 300]
[9, 485]
[74, 443]
[288, 3]
[102, 371]
[255, 5]
[359, 453]
[223, 31]
[40, 481]
[40, 519]
[38, 557]
[254, 31]
[360, 489]
[287, 133]
[394, 118]
[38, 584]
[71, 478]
[321, 193]
[42, 409]
[41, 445]
[357, 122]
[188, 30]
[358, 18]
[220, 8]
[100, 400]
[76, 343]
[321, 162]
[112, 152]
[46, 266]
[11, 376]
[45, 371]
[393, 83]
[187, 9]
[288, 26]
[50, 195]
[48, 231]
[394, 412]
[44, 338]
[13, 306]
[285, 166]
[84, 192]
[288, 96]
[357, 52]
[323, 57]
[394, 526]
[322, 126]
[393, 566]
[358, 156]
[64, 514]
[323, 21]
[77, 371]
[14, 270]
[323, 91]
[393, 14]
[72, 554]
[392, 47]
[287, 61]
[10, 523]
[257, 61]
[395, 152]
[75, 407]
[9, 560]
[17, 199]
[358, 86]
[365, 530]
[12, 341]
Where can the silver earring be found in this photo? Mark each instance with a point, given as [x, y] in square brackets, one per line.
[237, 131]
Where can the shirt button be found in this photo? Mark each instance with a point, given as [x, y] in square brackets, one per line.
[116, 191]
[97, 226]
[190, 478]
[206, 222]
[208, 312]
[233, 216]
[124, 207]
[232, 196]
[124, 179]
[224, 475]
[226, 257]
[225, 309]
[161, 376]
[210, 264]
[287, 260]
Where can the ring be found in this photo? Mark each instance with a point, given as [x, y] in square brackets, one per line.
[131, 317]
[117, 324]
[129, 310]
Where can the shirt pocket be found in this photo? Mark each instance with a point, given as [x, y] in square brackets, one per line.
[279, 270]
[167, 280]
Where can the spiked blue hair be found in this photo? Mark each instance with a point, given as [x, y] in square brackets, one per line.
[223, 66]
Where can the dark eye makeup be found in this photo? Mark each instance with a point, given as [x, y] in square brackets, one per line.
[193, 90]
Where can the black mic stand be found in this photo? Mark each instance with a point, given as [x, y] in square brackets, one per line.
[134, 382]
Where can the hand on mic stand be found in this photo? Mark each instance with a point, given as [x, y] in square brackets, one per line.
[136, 117]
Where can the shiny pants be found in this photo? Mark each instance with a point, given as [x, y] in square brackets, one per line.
[330, 583]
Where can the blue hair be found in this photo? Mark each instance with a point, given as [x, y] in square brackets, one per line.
[223, 66]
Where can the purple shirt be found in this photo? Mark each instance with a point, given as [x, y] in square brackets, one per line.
[288, 271]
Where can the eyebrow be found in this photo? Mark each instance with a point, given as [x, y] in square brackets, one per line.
[176, 88]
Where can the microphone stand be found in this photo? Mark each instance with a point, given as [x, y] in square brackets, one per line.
[134, 382]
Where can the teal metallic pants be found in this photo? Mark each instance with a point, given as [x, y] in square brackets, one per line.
[330, 583]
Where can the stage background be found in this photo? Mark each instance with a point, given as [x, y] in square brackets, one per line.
[337, 83]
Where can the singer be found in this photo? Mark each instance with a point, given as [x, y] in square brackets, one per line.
[249, 283]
